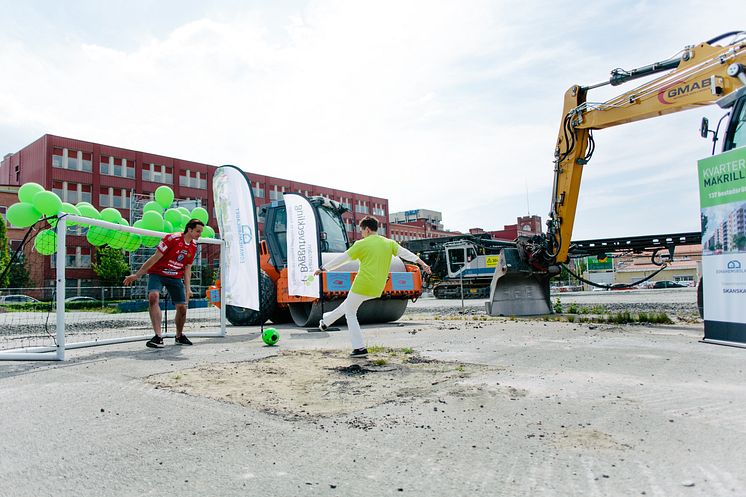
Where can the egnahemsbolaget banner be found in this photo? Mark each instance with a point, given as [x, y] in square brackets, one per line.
[722, 189]
[234, 208]
[302, 245]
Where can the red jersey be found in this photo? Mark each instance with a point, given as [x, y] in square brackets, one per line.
[176, 254]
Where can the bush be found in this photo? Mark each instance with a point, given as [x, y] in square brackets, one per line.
[557, 307]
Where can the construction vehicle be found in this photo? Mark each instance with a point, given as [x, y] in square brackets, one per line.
[277, 305]
[699, 75]
[462, 264]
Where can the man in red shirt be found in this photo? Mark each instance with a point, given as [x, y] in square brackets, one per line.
[172, 261]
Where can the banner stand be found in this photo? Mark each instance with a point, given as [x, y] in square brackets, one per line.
[722, 193]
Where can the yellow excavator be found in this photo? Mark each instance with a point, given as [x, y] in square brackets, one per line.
[710, 72]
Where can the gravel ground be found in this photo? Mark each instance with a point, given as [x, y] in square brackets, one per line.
[511, 407]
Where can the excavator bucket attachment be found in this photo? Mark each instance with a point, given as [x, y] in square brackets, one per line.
[516, 290]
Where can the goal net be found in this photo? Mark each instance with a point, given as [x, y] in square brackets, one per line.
[41, 323]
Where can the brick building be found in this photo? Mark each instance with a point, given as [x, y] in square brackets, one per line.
[526, 225]
[106, 176]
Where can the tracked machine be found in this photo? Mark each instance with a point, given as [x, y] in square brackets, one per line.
[699, 75]
[404, 282]
[460, 264]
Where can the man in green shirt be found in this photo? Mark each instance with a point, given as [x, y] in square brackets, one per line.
[374, 253]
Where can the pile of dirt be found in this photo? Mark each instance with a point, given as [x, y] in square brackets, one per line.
[319, 383]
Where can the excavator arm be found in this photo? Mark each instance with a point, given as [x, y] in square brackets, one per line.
[699, 75]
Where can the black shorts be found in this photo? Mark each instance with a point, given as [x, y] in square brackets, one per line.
[175, 287]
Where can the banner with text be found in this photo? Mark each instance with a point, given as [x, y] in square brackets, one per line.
[234, 209]
[722, 190]
[303, 246]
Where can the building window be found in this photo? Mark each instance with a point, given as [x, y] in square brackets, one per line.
[361, 209]
[75, 160]
[157, 174]
[192, 179]
[258, 191]
[274, 195]
[79, 258]
[72, 192]
[114, 166]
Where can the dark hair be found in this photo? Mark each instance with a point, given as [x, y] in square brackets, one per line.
[193, 223]
[369, 222]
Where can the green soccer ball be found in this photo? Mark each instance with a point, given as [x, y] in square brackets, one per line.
[270, 336]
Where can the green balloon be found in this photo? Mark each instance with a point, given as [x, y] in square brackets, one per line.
[185, 220]
[173, 216]
[164, 195]
[208, 232]
[123, 222]
[152, 206]
[22, 215]
[111, 215]
[48, 203]
[26, 192]
[201, 214]
[150, 241]
[133, 242]
[152, 220]
[184, 211]
[117, 239]
[67, 208]
[87, 210]
[46, 242]
[97, 236]
[167, 227]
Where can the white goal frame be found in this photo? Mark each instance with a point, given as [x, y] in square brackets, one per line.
[57, 353]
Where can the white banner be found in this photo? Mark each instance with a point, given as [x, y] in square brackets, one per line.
[303, 246]
[234, 207]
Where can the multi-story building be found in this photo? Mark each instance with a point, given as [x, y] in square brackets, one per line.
[107, 176]
[417, 224]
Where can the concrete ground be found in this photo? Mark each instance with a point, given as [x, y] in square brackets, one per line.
[554, 408]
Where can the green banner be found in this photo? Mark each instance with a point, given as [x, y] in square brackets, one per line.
[722, 178]
[595, 265]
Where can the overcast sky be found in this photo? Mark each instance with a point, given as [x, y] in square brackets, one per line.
[451, 106]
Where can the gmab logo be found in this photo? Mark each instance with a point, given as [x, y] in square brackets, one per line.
[734, 264]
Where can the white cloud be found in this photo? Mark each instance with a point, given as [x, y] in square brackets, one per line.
[436, 105]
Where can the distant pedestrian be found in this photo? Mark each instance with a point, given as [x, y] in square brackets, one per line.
[374, 253]
[171, 261]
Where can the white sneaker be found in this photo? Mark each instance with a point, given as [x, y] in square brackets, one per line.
[322, 325]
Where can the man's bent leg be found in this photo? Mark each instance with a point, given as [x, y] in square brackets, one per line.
[154, 309]
[351, 304]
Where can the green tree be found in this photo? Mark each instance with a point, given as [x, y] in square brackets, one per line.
[703, 219]
[739, 241]
[18, 275]
[4, 255]
[110, 266]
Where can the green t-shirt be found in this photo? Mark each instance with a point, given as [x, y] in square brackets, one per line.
[374, 253]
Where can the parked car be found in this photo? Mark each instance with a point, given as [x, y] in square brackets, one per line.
[80, 298]
[667, 284]
[17, 299]
[621, 286]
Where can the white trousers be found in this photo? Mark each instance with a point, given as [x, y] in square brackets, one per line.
[349, 308]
